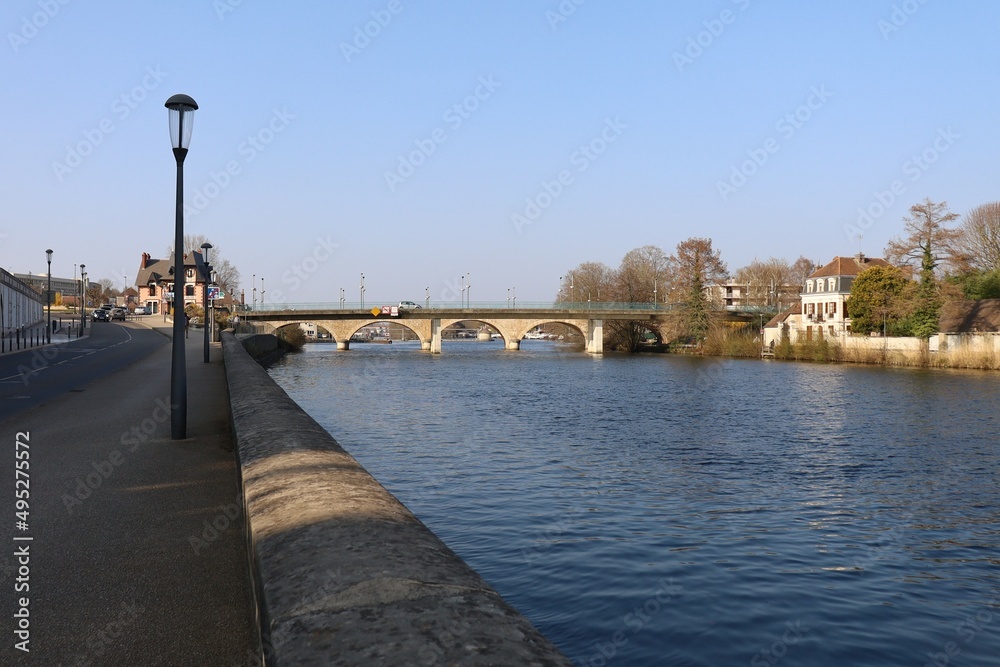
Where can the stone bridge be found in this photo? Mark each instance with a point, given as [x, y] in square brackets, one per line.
[428, 323]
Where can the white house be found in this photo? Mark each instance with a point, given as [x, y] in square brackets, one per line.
[822, 308]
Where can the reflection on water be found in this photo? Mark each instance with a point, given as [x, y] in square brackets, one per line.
[660, 510]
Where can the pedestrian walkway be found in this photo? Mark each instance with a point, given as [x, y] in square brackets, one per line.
[138, 552]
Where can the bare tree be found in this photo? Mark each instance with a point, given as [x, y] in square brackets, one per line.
[695, 265]
[927, 243]
[642, 274]
[590, 281]
[801, 269]
[979, 241]
[765, 281]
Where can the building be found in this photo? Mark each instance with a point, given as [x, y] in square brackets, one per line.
[822, 308]
[20, 304]
[155, 281]
[60, 286]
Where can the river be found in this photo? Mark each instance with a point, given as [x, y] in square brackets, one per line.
[667, 510]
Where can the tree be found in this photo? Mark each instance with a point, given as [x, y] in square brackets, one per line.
[801, 269]
[929, 244]
[878, 301]
[979, 238]
[927, 241]
[590, 281]
[640, 278]
[694, 266]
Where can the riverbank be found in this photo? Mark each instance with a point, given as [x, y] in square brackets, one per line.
[344, 571]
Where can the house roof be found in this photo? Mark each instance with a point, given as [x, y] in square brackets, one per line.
[848, 266]
[970, 316]
[156, 270]
[782, 316]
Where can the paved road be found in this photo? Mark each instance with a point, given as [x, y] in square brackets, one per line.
[30, 378]
[137, 553]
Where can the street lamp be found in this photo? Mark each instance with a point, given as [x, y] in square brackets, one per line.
[427, 297]
[206, 246]
[468, 292]
[83, 301]
[48, 297]
[362, 291]
[181, 118]
[262, 292]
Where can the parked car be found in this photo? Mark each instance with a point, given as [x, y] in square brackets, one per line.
[100, 315]
[407, 305]
[118, 314]
[141, 310]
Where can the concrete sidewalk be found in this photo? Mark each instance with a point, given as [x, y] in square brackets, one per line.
[138, 552]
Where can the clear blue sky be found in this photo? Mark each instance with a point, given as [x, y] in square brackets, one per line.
[668, 119]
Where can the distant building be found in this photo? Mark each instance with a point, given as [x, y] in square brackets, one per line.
[40, 282]
[821, 310]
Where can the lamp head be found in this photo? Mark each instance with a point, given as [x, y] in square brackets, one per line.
[48, 255]
[182, 108]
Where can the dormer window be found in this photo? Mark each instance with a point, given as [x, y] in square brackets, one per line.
[189, 273]
[152, 289]
[809, 286]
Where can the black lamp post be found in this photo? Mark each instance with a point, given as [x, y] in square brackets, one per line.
[83, 300]
[206, 246]
[48, 297]
[182, 110]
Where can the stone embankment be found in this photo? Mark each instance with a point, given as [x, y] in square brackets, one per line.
[345, 573]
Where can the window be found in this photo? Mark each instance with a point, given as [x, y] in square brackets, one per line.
[812, 308]
[833, 307]
[809, 286]
[189, 273]
[189, 290]
[804, 309]
[152, 289]
[831, 284]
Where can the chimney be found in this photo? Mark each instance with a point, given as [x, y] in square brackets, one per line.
[860, 258]
[145, 260]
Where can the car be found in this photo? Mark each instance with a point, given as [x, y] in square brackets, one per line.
[141, 310]
[408, 305]
[118, 314]
[100, 315]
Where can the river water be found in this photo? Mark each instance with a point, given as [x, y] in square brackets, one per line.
[665, 510]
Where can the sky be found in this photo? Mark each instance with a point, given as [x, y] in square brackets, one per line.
[431, 145]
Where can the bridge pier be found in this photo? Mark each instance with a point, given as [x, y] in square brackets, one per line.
[435, 344]
[595, 336]
[343, 344]
[513, 344]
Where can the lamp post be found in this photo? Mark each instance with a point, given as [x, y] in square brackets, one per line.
[468, 292]
[253, 284]
[262, 292]
[206, 246]
[654, 293]
[83, 301]
[48, 297]
[362, 291]
[181, 118]
[211, 305]
[427, 297]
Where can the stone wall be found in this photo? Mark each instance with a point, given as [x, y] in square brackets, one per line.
[345, 573]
